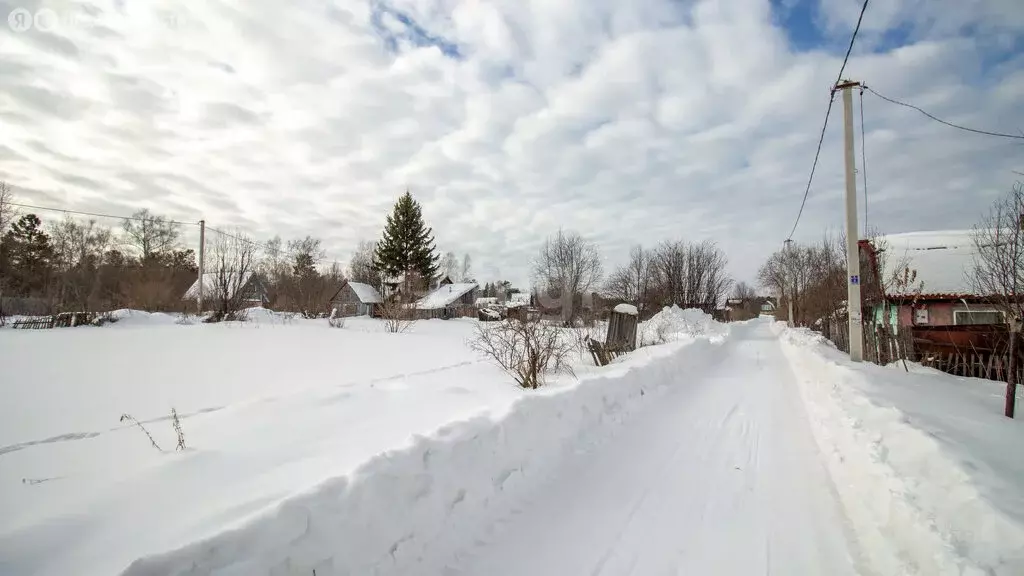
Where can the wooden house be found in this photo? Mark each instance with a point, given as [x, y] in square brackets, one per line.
[940, 293]
[356, 299]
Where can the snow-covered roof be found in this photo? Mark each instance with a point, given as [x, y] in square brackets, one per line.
[210, 285]
[941, 259]
[445, 295]
[486, 300]
[367, 294]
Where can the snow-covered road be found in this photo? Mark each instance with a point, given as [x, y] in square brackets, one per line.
[719, 476]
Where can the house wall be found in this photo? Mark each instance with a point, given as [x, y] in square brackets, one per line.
[940, 313]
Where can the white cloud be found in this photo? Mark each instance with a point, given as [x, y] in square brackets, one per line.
[630, 122]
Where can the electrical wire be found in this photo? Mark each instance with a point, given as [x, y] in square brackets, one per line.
[94, 214]
[261, 245]
[863, 161]
[265, 246]
[940, 120]
[828, 112]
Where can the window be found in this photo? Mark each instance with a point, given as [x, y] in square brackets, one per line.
[961, 317]
[920, 316]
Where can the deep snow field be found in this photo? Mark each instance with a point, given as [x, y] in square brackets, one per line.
[355, 451]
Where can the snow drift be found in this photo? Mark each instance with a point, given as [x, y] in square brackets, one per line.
[673, 323]
[410, 505]
[914, 506]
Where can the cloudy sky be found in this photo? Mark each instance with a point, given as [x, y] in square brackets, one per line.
[628, 121]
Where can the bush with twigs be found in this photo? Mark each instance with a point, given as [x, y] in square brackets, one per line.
[397, 316]
[528, 351]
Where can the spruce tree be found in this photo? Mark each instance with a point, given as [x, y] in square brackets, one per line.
[28, 255]
[407, 246]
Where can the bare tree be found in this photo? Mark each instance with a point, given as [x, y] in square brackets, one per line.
[999, 272]
[7, 215]
[7, 209]
[743, 291]
[568, 265]
[78, 251]
[231, 264]
[634, 282]
[467, 269]
[690, 275]
[449, 266]
[151, 234]
[361, 269]
[813, 277]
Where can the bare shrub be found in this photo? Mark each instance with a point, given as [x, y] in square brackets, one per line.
[177, 429]
[397, 316]
[527, 351]
[231, 266]
[130, 418]
[581, 334]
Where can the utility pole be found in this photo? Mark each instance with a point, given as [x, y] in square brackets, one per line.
[792, 274]
[852, 245]
[202, 261]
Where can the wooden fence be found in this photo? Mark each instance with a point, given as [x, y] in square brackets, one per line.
[979, 351]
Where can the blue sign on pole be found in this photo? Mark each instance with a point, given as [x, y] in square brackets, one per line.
[854, 279]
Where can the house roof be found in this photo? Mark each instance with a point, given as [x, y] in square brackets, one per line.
[367, 294]
[942, 260]
[445, 295]
[210, 285]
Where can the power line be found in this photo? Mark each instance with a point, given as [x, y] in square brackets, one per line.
[261, 245]
[95, 214]
[940, 120]
[828, 112]
[265, 246]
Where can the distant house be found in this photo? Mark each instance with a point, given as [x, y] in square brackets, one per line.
[940, 295]
[248, 288]
[395, 286]
[487, 301]
[768, 307]
[356, 299]
[449, 301]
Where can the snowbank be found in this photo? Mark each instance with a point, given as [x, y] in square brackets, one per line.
[673, 323]
[907, 453]
[420, 502]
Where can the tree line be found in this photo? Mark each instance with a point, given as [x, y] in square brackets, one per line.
[70, 265]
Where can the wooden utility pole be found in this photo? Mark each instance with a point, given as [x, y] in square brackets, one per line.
[202, 261]
[852, 246]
